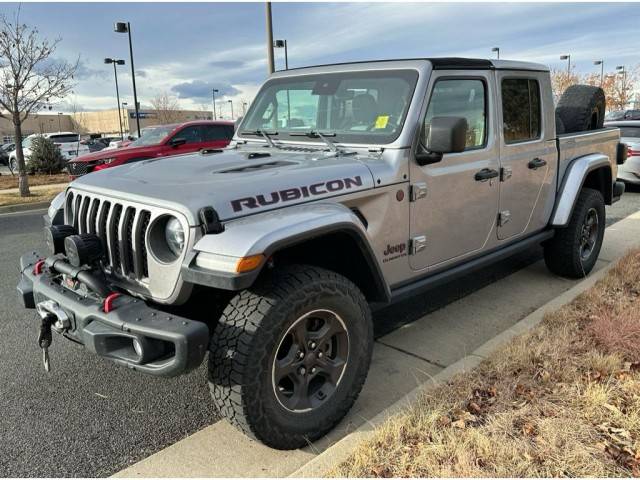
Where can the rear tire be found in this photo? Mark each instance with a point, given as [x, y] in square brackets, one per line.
[574, 250]
[289, 356]
[581, 108]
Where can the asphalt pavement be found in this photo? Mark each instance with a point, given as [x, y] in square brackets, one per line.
[89, 417]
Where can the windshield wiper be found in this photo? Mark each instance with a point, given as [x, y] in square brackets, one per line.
[322, 136]
[263, 134]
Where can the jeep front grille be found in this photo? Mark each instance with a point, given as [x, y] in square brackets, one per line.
[122, 228]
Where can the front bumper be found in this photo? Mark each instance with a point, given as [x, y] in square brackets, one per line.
[168, 345]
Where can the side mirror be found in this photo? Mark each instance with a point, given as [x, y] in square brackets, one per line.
[445, 135]
[176, 142]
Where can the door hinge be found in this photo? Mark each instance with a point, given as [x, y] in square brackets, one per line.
[504, 217]
[418, 191]
[418, 244]
[505, 173]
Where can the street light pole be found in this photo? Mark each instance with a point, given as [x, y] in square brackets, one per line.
[115, 74]
[122, 27]
[213, 93]
[270, 61]
[623, 72]
[283, 44]
[497, 51]
[59, 115]
[568, 58]
[601, 63]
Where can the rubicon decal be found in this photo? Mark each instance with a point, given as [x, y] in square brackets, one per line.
[296, 193]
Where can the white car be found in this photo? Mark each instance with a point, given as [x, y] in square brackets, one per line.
[68, 143]
[630, 135]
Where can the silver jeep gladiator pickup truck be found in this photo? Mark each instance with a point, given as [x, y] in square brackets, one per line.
[346, 187]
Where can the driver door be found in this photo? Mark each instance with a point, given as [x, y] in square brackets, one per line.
[453, 211]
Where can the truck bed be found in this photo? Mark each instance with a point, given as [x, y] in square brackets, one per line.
[573, 145]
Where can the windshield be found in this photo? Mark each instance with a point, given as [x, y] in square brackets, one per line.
[358, 107]
[617, 115]
[26, 143]
[153, 136]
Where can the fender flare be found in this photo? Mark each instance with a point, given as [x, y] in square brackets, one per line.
[270, 232]
[573, 182]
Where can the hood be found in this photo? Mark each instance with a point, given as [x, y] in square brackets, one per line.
[235, 182]
[117, 152]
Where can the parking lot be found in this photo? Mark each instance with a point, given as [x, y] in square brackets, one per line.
[89, 417]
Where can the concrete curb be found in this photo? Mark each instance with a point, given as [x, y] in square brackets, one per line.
[24, 207]
[339, 452]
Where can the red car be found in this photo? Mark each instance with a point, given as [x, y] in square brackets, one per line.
[160, 141]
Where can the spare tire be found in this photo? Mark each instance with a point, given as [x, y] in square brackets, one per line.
[581, 108]
[559, 125]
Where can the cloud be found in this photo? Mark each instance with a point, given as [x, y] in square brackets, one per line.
[141, 73]
[198, 90]
[227, 64]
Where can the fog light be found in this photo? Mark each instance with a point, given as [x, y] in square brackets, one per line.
[54, 237]
[83, 249]
[137, 346]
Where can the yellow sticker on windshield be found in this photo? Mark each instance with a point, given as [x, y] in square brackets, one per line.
[381, 121]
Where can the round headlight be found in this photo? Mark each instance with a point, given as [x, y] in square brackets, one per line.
[174, 235]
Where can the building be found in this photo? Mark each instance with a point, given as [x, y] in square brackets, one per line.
[106, 121]
[98, 122]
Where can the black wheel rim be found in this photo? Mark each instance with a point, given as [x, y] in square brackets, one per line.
[310, 361]
[589, 234]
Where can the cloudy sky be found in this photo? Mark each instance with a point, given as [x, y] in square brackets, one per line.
[188, 48]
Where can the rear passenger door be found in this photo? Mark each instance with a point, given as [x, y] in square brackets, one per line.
[528, 154]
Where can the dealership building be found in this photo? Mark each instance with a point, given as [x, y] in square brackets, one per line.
[104, 122]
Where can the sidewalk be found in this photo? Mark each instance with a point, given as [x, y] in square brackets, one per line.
[35, 188]
[403, 360]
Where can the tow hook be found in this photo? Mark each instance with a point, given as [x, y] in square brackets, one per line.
[52, 317]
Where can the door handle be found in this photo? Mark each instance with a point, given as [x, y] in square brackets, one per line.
[536, 163]
[486, 174]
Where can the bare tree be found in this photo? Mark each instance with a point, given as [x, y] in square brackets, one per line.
[561, 80]
[77, 116]
[618, 87]
[166, 107]
[29, 78]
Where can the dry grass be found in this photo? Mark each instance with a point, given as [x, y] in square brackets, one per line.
[11, 181]
[40, 195]
[561, 400]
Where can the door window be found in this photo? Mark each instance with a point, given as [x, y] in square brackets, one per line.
[461, 98]
[217, 133]
[191, 134]
[520, 109]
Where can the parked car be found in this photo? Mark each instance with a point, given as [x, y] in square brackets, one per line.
[379, 181]
[160, 141]
[68, 143]
[99, 143]
[4, 153]
[623, 115]
[630, 135]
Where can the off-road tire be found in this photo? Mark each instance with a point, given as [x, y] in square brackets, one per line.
[559, 125]
[581, 108]
[12, 163]
[562, 252]
[244, 344]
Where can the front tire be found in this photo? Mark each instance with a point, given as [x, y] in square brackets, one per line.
[574, 250]
[289, 356]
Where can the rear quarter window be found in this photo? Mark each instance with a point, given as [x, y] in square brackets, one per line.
[63, 138]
